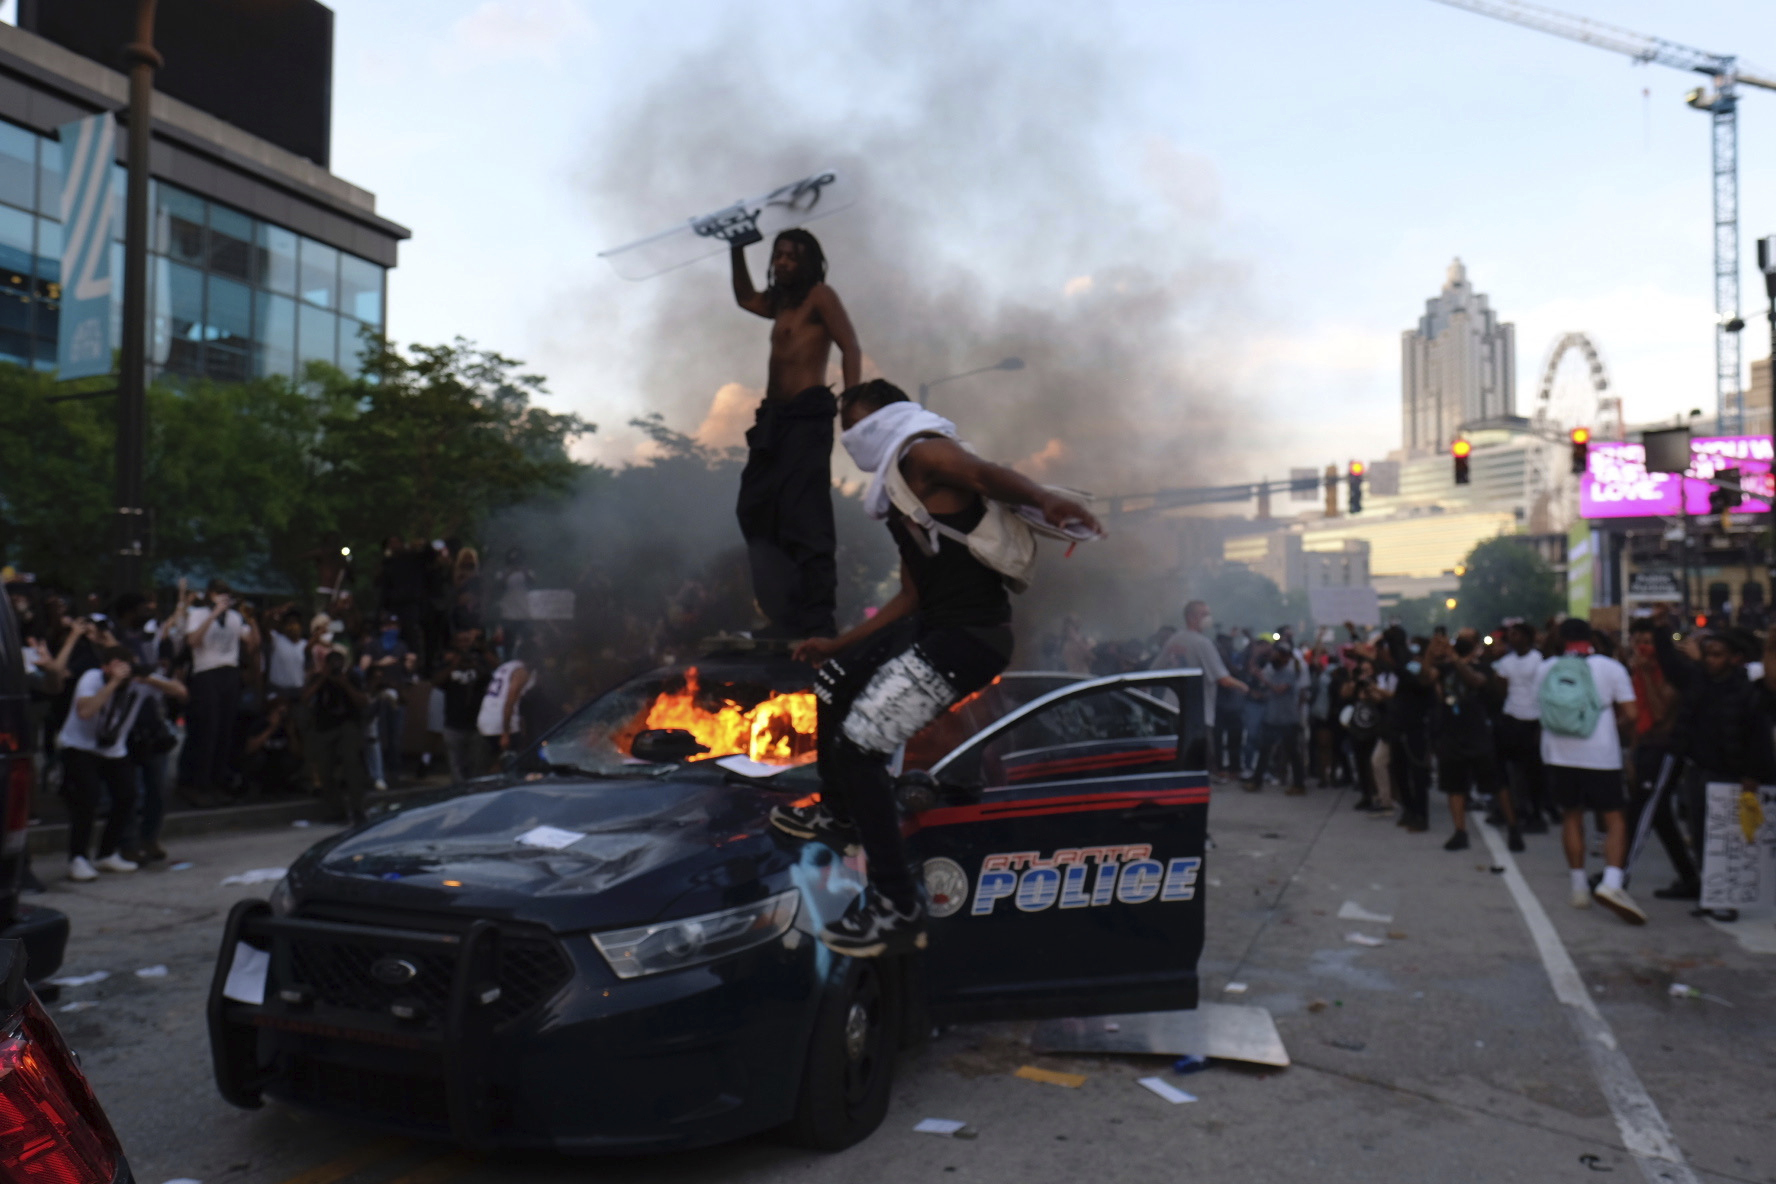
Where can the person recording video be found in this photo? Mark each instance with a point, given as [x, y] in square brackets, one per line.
[95, 754]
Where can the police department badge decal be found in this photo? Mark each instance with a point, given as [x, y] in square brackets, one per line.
[946, 886]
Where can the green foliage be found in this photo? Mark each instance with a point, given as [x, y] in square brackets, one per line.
[1504, 577]
[249, 478]
[432, 442]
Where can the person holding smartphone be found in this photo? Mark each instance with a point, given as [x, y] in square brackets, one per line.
[215, 632]
[94, 741]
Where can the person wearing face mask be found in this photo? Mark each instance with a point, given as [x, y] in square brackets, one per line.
[943, 636]
[1407, 730]
[1195, 647]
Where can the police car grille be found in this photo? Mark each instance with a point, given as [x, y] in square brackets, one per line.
[405, 1099]
[531, 970]
[339, 974]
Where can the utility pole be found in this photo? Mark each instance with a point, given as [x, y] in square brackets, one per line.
[132, 382]
[1766, 256]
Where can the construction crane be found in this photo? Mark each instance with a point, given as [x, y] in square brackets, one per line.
[1723, 104]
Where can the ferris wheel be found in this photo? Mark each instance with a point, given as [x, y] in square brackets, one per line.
[1570, 396]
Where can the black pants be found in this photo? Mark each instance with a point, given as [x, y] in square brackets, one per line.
[209, 728]
[1410, 770]
[1362, 754]
[84, 775]
[1648, 759]
[1230, 734]
[1460, 773]
[872, 699]
[1288, 738]
[786, 515]
[1519, 744]
[336, 755]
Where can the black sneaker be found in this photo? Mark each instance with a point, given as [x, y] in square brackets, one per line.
[1535, 824]
[1679, 890]
[873, 927]
[1514, 839]
[1457, 841]
[817, 824]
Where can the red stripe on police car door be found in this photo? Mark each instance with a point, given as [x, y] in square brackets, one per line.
[1079, 804]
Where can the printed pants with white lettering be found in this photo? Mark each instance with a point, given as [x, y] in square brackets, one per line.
[872, 699]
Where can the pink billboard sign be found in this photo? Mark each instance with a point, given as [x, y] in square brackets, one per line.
[1616, 484]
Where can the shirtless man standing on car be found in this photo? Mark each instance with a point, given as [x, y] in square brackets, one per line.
[785, 506]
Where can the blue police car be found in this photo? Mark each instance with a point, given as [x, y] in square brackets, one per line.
[609, 949]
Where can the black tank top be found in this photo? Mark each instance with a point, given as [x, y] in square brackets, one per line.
[955, 589]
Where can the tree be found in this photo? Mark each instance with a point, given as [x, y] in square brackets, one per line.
[1504, 577]
[433, 441]
[246, 479]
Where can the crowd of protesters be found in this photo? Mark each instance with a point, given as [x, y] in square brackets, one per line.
[1541, 726]
[216, 699]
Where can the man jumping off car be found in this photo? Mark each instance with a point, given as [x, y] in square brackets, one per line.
[785, 505]
[943, 636]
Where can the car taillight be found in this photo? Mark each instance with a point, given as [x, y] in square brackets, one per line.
[51, 1127]
[20, 780]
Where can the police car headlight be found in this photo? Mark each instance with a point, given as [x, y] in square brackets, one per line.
[674, 945]
[283, 901]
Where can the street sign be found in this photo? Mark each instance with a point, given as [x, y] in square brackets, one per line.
[89, 148]
[1654, 585]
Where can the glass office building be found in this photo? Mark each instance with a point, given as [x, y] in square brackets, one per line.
[260, 260]
[233, 296]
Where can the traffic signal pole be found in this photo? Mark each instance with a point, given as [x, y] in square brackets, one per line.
[132, 382]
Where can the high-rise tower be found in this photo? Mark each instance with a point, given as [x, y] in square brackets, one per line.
[1458, 366]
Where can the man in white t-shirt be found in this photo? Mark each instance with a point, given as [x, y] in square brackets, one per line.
[1196, 648]
[94, 743]
[1585, 772]
[216, 634]
[1519, 735]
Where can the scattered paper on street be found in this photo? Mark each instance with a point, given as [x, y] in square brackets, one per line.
[156, 971]
[1234, 988]
[552, 838]
[1164, 1089]
[259, 875]
[80, 1005]
[80, 980]
[947, 1127]
[1363, 939]
[1350, 910]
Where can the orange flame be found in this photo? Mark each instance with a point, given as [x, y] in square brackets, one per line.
[778, 731]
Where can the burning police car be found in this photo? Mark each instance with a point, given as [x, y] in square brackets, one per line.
[611, 950]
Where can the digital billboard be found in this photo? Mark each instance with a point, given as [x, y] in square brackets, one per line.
[1616, 483]
[265, 66]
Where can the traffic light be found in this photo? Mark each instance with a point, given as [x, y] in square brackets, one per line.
[1581, 441]
[1354, 486]
[1724, 497]
[1459, 450]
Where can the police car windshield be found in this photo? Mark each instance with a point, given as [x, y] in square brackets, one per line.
[653, 722]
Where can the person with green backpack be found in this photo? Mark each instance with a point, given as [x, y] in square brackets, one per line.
[1584, 696]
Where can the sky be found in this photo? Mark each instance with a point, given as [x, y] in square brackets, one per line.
[1271, 189]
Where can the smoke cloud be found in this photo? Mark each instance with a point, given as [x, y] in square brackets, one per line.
[1013, 203]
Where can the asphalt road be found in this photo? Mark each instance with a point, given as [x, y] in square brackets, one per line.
[1442, 1054]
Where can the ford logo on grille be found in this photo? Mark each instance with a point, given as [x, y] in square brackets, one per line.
[393, 971]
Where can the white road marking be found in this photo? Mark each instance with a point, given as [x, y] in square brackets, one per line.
[1643, 1128]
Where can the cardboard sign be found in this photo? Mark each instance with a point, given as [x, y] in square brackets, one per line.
[1737, 874]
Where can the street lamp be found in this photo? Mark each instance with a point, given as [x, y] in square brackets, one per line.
[133, 379]
[1005, 364]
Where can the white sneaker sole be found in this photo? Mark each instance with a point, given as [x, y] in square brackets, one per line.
[1623, 909]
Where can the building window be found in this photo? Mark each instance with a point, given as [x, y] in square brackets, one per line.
[221, 282]
[18, 167]
[319, 274]
[317, 335]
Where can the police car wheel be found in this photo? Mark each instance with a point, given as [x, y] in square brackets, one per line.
[850, 1066]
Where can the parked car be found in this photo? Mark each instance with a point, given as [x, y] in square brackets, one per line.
[51, 1126]
[611, 950]
[43, 931]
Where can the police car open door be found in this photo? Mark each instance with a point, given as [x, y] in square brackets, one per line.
[1064, 859]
